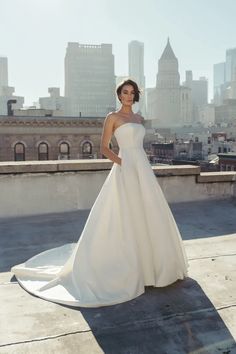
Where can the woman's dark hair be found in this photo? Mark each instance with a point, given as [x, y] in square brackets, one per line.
[128, 82]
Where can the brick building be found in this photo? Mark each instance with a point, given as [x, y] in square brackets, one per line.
[50, 138]
[227, 162]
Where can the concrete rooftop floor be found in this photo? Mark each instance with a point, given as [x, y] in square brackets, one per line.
[197, 315]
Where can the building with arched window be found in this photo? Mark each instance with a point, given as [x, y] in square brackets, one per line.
[50, 138]
[19, 152]
[64, 151]
[86, 149]
[43, 151]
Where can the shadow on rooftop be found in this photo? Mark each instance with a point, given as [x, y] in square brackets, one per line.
[23, 237]
[208, 218]
[178, 318]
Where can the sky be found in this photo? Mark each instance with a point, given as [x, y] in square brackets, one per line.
[34, 36]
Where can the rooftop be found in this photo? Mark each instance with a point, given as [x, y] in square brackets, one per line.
[197, 315]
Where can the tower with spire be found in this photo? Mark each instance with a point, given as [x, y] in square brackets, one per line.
[164, 101]
[168, 69]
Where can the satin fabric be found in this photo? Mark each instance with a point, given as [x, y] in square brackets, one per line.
[130, 239]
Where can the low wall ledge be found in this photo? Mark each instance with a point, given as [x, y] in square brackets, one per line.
[221, 176]
[14, 167]
[55, 166]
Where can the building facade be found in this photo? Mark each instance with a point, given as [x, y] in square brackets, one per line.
[207, 115]
[226, 113]
[227, 162]
[46, 137]
[3, 72]
[7, 92]
[186, 105]
[89, 80]
[225, 78]
[54, 102]
[178, 150]
[199, 94]
[230, 65]
[219, 82]
[168, 102]
[50, 138]
[136, 72]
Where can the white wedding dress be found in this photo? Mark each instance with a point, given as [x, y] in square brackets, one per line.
[130, 239]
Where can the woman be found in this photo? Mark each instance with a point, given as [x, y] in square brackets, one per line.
[130, 239]
[128, 93]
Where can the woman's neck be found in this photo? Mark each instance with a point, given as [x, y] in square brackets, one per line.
[126, 110]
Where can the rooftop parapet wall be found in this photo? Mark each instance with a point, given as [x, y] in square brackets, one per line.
[39, 187]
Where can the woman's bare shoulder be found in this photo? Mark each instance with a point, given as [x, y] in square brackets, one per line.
[110, 120]
[110, 116]
[114, 117]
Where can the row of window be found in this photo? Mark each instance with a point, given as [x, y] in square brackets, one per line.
[43, 150]
[227, 167]
[220, 150]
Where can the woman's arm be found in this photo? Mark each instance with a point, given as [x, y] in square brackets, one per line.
[106, 137]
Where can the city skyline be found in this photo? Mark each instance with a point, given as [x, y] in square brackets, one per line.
[199, 33]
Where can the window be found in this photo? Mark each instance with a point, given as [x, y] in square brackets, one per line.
[64, 151]
[223, 167]
[19, 152]
[87, 149]
[43, 151]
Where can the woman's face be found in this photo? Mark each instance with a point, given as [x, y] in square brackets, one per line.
[127, 95]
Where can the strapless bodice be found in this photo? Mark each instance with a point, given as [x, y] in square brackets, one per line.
[130, 135]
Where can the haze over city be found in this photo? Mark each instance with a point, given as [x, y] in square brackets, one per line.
[34, 36]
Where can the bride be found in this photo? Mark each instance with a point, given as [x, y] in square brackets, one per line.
[130, 239]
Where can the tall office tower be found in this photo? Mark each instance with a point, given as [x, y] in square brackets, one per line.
[89, 79]
[136, 71]
[7, 92]
[219, 83]
[233, 87]
[199, 93]
[230, 65]
[164, 100]
[3, 72]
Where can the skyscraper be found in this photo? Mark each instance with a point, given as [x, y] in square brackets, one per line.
[3, 72]
[230, 65]
[136, 71]
[164, 101]
[219, 82]
[199, 94]
[90, 79]
[169, 103]
[7, 92]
